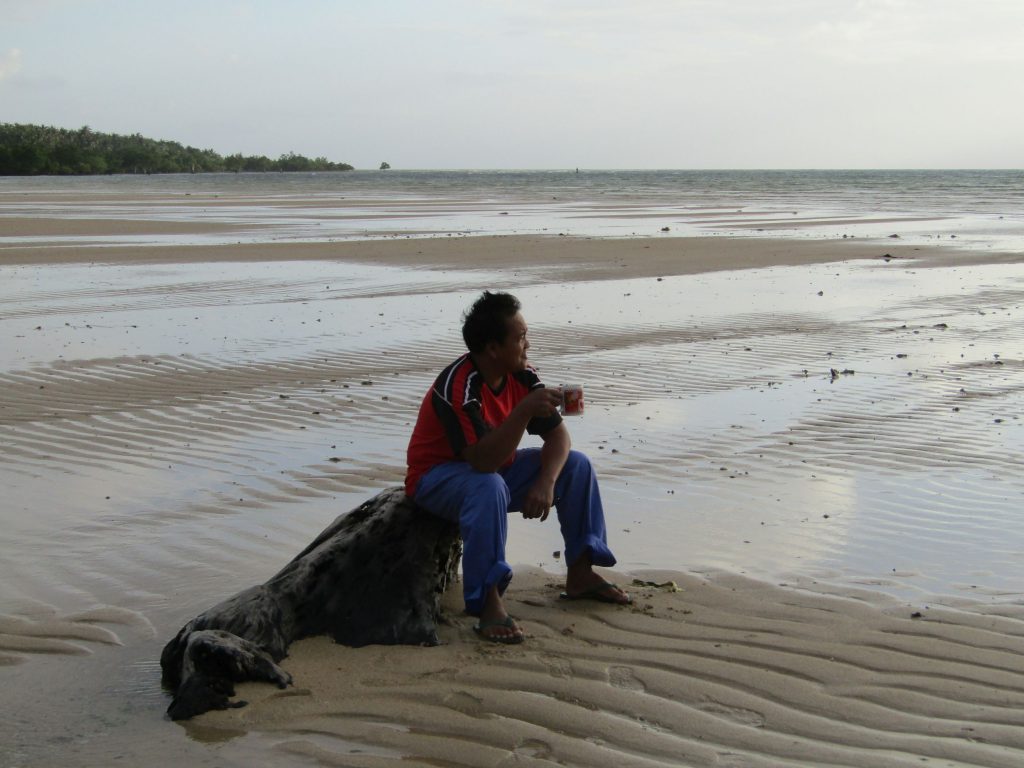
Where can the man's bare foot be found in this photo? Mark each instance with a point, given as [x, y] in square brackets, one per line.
[506, 631]
[581, 583]
[495, 624]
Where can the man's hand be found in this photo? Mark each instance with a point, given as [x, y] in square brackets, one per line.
[541, 402]
[538, 500]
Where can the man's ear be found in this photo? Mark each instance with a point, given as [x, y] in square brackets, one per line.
[491, 349]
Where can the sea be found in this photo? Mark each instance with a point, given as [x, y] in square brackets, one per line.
[972, 209]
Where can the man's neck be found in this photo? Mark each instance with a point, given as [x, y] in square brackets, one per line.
[493, 377]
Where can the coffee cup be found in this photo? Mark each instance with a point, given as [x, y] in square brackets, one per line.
[572, 400]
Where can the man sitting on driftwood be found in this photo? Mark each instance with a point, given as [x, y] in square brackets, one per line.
[376, 574]
[465, 466]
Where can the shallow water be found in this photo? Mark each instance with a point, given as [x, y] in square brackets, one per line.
[971, 209]
[174, 434]
[678, 386]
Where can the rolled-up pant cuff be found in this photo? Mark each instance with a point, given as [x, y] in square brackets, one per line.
[600, 555]
[500, 574]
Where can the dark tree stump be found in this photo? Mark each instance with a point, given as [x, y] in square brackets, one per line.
[375, 575]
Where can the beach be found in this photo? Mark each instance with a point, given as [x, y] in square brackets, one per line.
[810, 450]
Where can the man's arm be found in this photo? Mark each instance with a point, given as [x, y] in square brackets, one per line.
[491, 450]
[553, 454]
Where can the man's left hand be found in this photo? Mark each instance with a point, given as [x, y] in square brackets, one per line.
[538, 501]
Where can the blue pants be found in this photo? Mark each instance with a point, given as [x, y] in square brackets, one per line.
[480, 502]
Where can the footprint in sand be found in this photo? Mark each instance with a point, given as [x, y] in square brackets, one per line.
[533, 748]
[557, 666]
[463, 702]
[625, 678]
[734, 714]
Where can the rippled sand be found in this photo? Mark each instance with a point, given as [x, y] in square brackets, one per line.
[814, 452]
[720, 671]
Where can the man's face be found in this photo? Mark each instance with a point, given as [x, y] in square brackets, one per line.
[511, 355]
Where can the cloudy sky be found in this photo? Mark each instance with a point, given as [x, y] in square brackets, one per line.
[534, 83]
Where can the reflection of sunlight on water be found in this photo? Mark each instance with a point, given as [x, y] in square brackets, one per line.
[692, 495]
[702, 525]
[957, 529]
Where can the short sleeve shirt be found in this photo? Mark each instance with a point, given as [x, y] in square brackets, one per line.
[460, 409]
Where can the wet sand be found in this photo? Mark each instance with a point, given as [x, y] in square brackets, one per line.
[700, 671]
[821, 447]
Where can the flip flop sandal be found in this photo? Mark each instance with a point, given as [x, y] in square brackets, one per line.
[482, 627]
[598, 592]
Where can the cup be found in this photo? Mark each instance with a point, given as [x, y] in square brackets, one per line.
[572, 399]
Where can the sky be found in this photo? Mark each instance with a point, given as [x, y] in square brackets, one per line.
[534, 83]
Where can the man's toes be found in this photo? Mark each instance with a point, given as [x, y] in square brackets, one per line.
[500, 631]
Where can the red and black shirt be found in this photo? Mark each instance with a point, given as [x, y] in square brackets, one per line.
[460, 409]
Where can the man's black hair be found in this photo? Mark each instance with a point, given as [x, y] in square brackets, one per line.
[487, 320]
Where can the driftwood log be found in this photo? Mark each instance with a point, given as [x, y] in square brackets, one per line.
[375, 575]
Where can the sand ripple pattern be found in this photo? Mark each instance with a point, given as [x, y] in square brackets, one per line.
[41, 629]
[719, 672]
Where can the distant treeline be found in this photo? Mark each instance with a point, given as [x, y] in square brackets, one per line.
[32, 150]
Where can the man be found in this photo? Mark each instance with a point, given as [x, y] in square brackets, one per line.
[465, 465]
